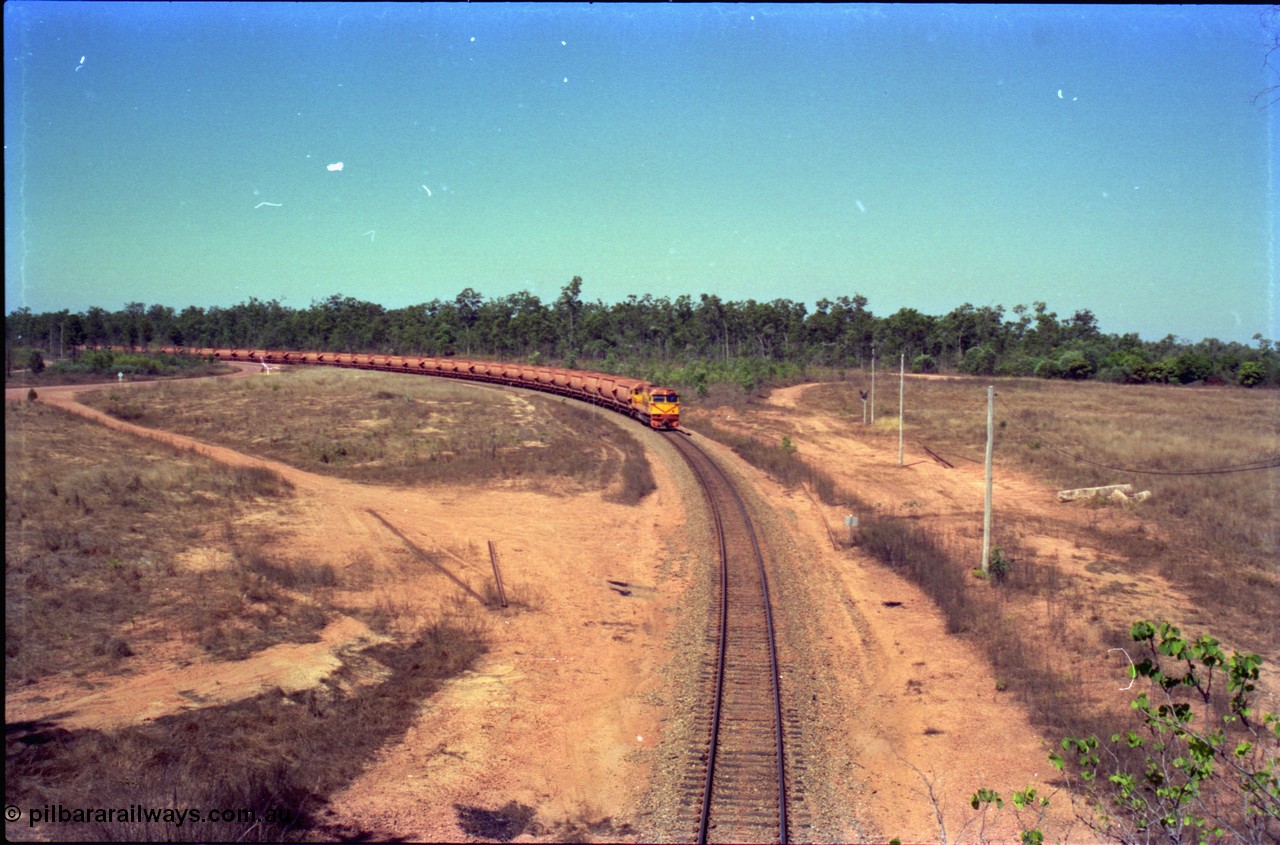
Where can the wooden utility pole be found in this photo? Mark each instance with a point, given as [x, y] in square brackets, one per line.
[873, 387]
[902, 381]
[986, 510]
[497, 576]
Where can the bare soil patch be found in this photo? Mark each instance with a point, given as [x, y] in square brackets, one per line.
[1076, 579]
[566, 721]
[556, 722]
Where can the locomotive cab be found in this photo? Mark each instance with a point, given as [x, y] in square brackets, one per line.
[659, 406]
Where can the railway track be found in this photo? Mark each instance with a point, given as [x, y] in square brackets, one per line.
[742, 767]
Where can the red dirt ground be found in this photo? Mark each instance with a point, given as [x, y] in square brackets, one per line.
[564, 713]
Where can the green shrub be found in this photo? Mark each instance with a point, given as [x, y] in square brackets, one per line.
[998, 565]
[1074, 364]
[32, 360]
[1193, 366]
[1251, 374]
[1016, 364]
[979, 361]
[924, 364]
[1202, 763]
[1047, 368]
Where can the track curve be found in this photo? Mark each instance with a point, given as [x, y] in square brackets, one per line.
[743, 788]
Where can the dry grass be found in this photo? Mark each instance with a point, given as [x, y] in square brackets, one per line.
[776, 459]
[95, 524]
[58, 374]
[1218, 530]
[392, 429]
[100, 528]
[1215, 535]
[275, 753]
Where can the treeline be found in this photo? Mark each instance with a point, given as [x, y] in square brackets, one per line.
[687, 340]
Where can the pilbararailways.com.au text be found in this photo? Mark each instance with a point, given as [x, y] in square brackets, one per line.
[138, 814]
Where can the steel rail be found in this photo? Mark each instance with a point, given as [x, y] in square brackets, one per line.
[722, 713]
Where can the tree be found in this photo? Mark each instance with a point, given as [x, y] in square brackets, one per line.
[713, 317]
[567, 309]
[532, 323]
[35, 362]
[468, 304]
[1074, 364]
[905, 331]
[979, 361]
[1082, 326]
[1044, 337]
[1196, 766]
[1193, 366]
[1251, 374]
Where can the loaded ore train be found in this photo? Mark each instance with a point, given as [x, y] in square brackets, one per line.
[658, 407]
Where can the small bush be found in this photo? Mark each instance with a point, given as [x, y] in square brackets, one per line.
[1074, 365]
[979, 361]
[1251, 374]
[924, 364]
[31, 360]
[998, 565]
[1047, 368]
[129, 411]
[113, 648]
[279, 755]
[1201, 761]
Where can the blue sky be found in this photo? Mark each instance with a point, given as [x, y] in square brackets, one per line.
[1110, 158]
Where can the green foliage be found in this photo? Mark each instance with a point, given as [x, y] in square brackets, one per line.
[924, 364]
[1162, 371]
[998, 565]
[979, 361]
[1200, 765]
[1028, 808]
[1124, 366]
[1048, 368]
[24, 358]
[746, 341]
[107, 363]
[1074, 364]
[1193, 366]
[1251, 374]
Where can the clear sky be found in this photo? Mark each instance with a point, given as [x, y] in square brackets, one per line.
[1110, 158]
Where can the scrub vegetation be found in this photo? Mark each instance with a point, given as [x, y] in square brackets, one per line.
[388, 428]
[1211, 534]
[1222, 524]
[118, 546]
[689, 342]
[28, 367]
[97, 525]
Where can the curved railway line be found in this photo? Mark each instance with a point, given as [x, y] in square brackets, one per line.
[743, 779]
[736, 789]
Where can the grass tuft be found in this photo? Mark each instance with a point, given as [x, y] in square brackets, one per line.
[1205, 525]
[388, 428]
[276, 755]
